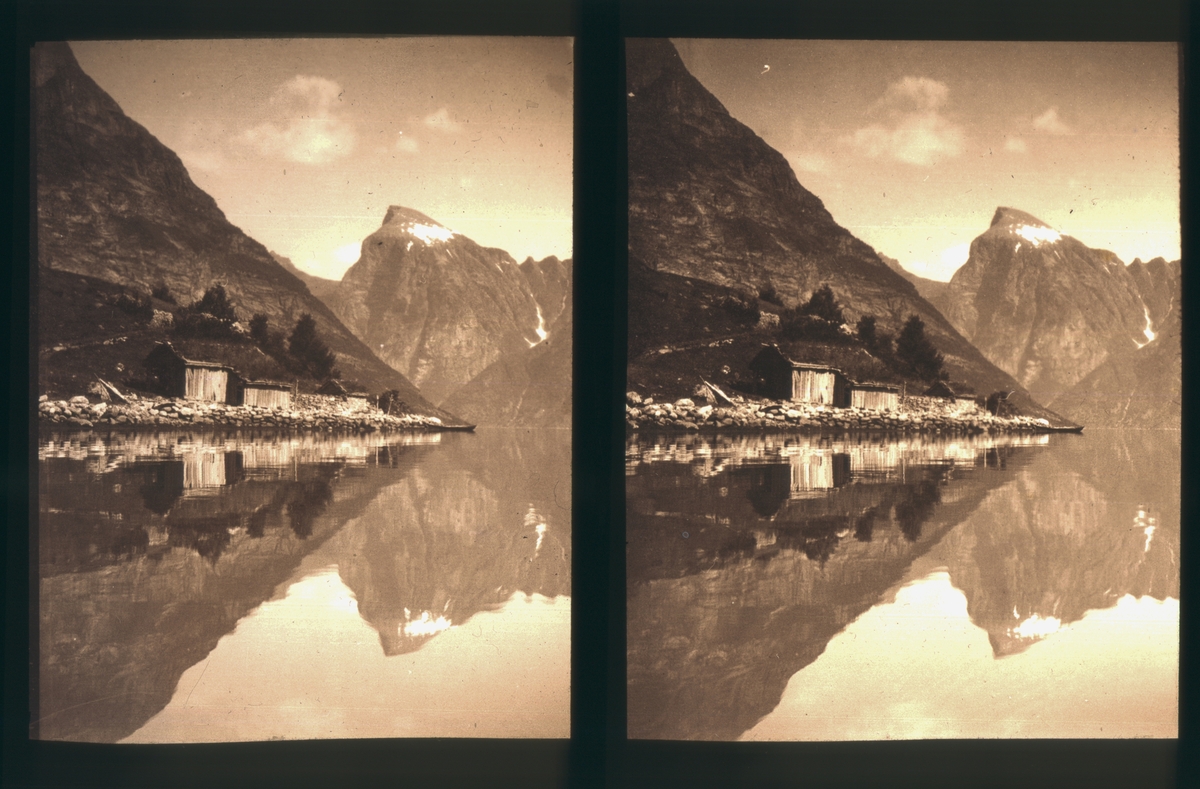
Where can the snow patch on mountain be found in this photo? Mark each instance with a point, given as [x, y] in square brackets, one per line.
[429, 233]
[1038, 235]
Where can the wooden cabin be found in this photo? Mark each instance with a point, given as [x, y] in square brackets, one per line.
[191, 379]
[961, 401]
[354, 399]
[781, 378]
[875, 396]
[267, 394]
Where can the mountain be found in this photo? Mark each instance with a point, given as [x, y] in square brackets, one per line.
[115, 204]
[1048, 309]
[434, 304]
[709, 200]
[930, 289]
[532, 386]
[318, 286]
[1141, 388]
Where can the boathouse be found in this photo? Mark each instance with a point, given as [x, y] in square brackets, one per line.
[191, 379]
[353, 398]
[960, 400]
[267, 394]
[874, 395]
[781, 378]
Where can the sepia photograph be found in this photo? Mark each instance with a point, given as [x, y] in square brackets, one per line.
[903, 394]
[303, 337]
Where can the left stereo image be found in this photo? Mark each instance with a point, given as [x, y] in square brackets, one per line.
[303, 418]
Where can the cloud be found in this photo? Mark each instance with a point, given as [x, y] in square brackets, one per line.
[810, 162]
[915, 132]
[311, 132]
[1015, 145]
[348, 254]
[441, 121]
[406, 144]
[1050, 123]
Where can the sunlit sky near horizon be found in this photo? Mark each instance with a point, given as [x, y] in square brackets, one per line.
[913, 145]
[305, 143]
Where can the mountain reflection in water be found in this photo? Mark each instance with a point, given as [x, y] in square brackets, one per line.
[749, 555]
[155, 546]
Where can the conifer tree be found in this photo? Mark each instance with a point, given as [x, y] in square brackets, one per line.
[918, 356]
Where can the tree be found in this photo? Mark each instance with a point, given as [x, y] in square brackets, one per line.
[823, 305]
[215, 302]
[866, 332]
[259, 331]
[309, 351]
[916, 354]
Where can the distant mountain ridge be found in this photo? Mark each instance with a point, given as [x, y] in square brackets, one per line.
[710, 200]
[116, 204]
[1047, 309]
[435, 305]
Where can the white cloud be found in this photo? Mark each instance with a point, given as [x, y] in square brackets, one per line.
[955, 256]
[348, 254]
[1050, 123]
[406, 144]
[916, 132]
[310, 132]
[1015, 145]
[441, 121]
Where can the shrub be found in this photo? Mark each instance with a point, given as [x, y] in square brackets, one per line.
[216, 303]
[201, 325]
[768, 293]
[163, 293]
[138, 308]
[796, 325]
[823, 305]
[739, 308]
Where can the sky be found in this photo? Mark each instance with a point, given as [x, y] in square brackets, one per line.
[913, 145]
[305, 143]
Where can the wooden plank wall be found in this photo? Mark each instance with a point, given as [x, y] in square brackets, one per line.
[813, 386]
[874, 400]
[267, 398]
[206, 384]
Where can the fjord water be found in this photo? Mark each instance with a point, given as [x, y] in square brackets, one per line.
[861, 587]
[240, 585]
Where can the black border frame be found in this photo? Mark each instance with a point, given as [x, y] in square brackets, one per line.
[598, 753]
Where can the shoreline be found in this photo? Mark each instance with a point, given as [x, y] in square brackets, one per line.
[79, 413]
[916, 415]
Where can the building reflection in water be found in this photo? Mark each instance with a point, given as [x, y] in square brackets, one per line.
[748, 554]
[152, 546]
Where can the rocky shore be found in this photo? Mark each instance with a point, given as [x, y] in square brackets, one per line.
[915, 415]
[82, 413]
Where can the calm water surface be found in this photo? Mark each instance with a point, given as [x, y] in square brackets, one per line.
[216, 586]
[861, 588]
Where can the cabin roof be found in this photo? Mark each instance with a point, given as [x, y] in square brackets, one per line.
[823, 368]
[875, 386]
[334, 387]
[267, 384]
[166, 347]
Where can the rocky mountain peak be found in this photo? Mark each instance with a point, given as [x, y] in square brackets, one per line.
[1007, 217]
[407, 221]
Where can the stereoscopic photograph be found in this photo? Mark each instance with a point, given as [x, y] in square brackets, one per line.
[303, 327]
[903, 406]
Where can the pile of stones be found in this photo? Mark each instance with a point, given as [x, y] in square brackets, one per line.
[643, 413]
[165, 411]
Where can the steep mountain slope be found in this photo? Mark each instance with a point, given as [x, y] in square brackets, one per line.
[115, 204]
[527, 388]
[1048, 309]
[434, 304]
[1142, 388]
[320, 287]
[710, 200]
[930, 289]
